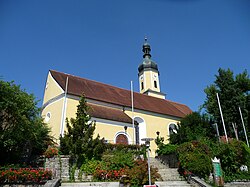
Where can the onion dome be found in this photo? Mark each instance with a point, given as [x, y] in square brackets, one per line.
[147, 61]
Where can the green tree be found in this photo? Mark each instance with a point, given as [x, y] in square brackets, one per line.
[233, 93]
[22, 131]
[78, 141]
[193, 127]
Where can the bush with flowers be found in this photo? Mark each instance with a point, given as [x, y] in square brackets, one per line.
[51, 152]
[24, 176]
[137, 175]
[108, 175]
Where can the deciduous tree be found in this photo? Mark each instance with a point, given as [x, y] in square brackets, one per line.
[193, 127]
[22, 131]
[233, 92]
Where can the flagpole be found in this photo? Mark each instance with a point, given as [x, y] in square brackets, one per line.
[235, 131]
[217, 130]
[244, 126]
[132, 106]
[222, 116]
[64, 108]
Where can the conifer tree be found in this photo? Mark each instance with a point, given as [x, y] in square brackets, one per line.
[78, 141]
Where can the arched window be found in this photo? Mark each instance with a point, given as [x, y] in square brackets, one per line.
[155, 84]
[172, 129]
[140, 130]
[121, 139]
[137, 133]
[48, 116]
[142, 86]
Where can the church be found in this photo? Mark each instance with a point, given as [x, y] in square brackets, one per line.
[121, 116]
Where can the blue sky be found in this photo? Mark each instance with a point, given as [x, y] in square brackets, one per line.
[102, 40]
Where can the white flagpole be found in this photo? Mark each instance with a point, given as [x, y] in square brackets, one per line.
[132, 106]
[244, 127]
[64, 108]
[235, 131]
[217, 130]
[222, 116]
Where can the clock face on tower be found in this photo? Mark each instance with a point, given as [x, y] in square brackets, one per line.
[141, 77]
[155, 77]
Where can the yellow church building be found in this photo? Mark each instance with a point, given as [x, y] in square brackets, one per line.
[121, 116]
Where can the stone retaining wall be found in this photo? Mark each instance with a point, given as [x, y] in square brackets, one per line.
[59, 167]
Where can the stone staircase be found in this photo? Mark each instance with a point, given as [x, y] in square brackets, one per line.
[170, 177]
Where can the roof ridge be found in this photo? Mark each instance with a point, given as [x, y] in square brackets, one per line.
[94, 81]
[175, 102]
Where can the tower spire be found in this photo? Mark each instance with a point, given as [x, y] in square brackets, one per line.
[146, 48]
[149, 74]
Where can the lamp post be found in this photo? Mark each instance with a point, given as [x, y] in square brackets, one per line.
[147, 143]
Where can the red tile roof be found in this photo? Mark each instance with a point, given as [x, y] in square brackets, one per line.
[108, 113]
[114, 95]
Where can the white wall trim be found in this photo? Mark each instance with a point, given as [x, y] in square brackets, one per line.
[124, 133]
[52, 101]
[142, 129]
[145, 80]
[152, 81]
[64, 111]
[152, 113]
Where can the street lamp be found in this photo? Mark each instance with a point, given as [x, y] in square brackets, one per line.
[125, 128]
[147, 143]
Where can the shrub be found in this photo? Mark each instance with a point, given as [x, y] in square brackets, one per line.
[195, 157]
[90, 166]
[108, 175]
[232, 156]
[138, 175]
[167, 149]
[51, 152]
[117, 160]
[135, 149]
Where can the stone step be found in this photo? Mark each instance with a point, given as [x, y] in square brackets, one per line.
[116, 184]
[172, 184]
[172, 178]
[159, 166]
[169, 170]
[167, 174]
[91, 184]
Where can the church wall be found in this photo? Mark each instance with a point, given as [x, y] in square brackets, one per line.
[109, 132]
[105, 128]
[110, 129]
[71, 108]
[52, 89]
[55, 110]
[154, 123]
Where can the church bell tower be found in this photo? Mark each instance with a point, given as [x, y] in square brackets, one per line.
[149, 75]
